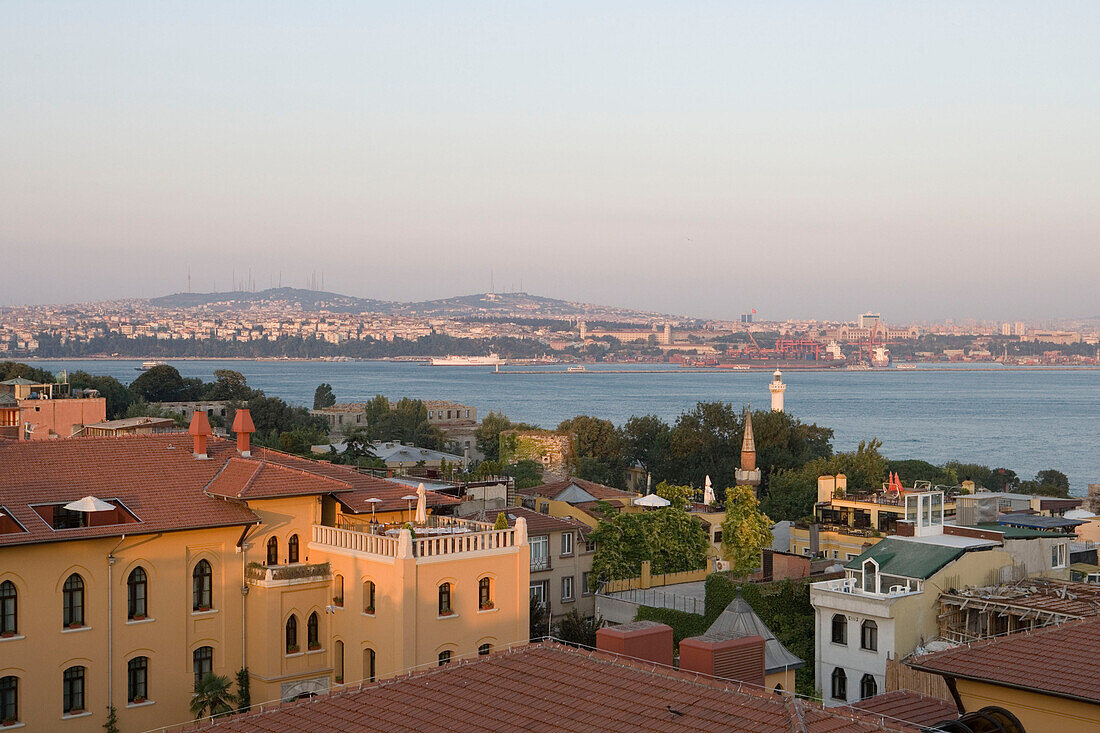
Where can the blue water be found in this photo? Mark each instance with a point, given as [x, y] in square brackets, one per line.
[1023, 420]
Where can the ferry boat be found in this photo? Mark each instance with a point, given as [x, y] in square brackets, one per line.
[576, 369]
[490, 360]
[147, 365]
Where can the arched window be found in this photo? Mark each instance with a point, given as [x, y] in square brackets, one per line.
[292, 549]
[840, 684]
[273, 551]
[338, 662]
[870, 576]
[368, 597]
[444, 599]
[368, 664]
[202, 582]
[9, 609]
[485, 650]
[485, 593]
[444, 657]
[313, 631]
[202, 662]
[72, 601]
[868, 636]
[840, 629]
[136, 585]
[137, 680]
[72, 697]
[338, 590]
[867, 687]
[9, 699]
[292, 634]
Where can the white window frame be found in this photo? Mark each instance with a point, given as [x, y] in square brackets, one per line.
[566, 543]
[568, 581]
[1059, 555]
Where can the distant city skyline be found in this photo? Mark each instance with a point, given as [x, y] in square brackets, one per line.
[927, 161]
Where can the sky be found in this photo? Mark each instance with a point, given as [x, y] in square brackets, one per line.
[807, 159]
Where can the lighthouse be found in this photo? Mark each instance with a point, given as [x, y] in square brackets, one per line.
[777, 388]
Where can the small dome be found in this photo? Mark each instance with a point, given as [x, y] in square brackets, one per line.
[778, 375]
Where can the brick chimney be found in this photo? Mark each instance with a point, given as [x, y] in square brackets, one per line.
[735, 659]
[243, 427]
[646, 640]
[200, 430]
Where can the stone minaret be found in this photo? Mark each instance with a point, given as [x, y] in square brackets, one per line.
[748, 474]
[777, 388]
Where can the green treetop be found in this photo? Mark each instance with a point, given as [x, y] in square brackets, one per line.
[745, 530]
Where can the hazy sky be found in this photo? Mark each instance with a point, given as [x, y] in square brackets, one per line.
[925, 160]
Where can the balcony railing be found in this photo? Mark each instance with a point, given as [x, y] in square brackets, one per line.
[306, 572]
[539, 564]
[479, 537]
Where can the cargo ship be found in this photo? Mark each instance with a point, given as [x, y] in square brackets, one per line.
[453, 361]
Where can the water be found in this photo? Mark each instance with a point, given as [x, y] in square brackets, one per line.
[1023, 420]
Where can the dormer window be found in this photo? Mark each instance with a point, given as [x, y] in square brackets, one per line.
[87, 512]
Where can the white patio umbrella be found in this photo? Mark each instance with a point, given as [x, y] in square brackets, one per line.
[409, 499]
[421, 505]
[89, 504]
[708, 492]
[372, 501]
[652, 500]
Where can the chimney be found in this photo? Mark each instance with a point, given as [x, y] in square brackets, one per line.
[200, 430]
[733, 659]
[243, 427]
[646, 640]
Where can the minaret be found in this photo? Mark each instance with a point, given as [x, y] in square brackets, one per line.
[778, 388]
[748, 474]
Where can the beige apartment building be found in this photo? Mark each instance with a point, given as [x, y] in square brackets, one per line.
[188, 555]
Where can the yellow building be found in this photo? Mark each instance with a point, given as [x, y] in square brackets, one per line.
[198, 557]
[1048, 679]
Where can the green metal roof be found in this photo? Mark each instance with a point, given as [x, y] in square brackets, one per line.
[1020, 533]
[918, 560]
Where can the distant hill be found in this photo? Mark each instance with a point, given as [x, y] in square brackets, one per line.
[485, 305]
[310, 300]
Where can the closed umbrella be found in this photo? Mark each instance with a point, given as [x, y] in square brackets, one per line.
[421, 505]
[708, 492]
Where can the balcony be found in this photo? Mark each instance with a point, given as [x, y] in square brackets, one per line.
[539, 564]
[852, 586]
[440, 536]
[273, 575]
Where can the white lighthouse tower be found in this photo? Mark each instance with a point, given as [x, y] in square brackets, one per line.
[777, 388]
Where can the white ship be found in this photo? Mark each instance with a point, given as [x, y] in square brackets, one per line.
[490, 360]
[880, 357]
[147, 365]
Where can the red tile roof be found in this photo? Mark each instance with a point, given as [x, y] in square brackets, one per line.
[162, 484]
[597, 490]
[549, 687]
[537, 522]
[155, 476]
[910, 707]
[1056, 660]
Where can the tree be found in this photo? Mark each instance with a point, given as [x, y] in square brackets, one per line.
[745, 530]
[163, 383]
[501, 521]
[527, 473]
[1051, 477]
[118, 395]
[141, 408]
[17, 369]
[669, 538]
[792, 492]
[678, 495]
[212, 697]
[111, 726]
[488, 433]
[244, 694]
[323, 397]
[647, 441]
[228, 385]
[578, 630]
[539, 617]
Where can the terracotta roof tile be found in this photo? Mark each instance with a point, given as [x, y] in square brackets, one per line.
[597, 490]
[909, 706]
[537, 522]
[1057, 660]
[558, 689]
